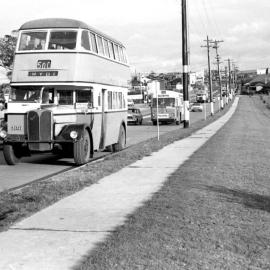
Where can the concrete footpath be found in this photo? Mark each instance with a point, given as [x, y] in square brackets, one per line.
[60, 235]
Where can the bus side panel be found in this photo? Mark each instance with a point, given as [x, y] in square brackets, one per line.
[100, 70]
[113, 120]
[96, 129]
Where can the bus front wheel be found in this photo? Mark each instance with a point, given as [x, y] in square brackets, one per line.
[121, 144]
[12, 154]
[82, 149]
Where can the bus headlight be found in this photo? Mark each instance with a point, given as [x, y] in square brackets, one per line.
[3, 134]
[73, 134]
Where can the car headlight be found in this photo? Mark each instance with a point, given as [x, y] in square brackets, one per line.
[73, 134]
[3, 134]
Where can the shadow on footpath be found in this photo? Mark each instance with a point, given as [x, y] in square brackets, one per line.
[249, 200]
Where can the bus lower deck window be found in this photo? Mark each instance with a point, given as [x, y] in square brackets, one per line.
[65, 97]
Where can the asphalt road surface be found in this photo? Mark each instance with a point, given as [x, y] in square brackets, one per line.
[40, 166]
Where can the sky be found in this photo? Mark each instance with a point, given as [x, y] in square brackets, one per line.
[151, 29]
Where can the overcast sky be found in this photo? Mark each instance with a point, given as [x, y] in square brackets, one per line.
[151, 29]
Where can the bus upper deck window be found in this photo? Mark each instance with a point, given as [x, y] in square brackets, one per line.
[62, 40]
[85, 40]
[93, 42]
[32, 41]
[121, 54]
[111, 50]
[100, 45]
[116, 52]
[106, 47]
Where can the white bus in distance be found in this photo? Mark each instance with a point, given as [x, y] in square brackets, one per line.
[69, 92]
[167, 107]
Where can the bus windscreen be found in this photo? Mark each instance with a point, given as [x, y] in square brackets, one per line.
[165, 102]
[62, 40]
[32, 40]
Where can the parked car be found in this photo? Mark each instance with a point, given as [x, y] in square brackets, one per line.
[196, 107]
[130, 103]
[134, 116]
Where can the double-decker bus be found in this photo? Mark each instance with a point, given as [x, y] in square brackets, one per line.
[69, 91]
[167, 107]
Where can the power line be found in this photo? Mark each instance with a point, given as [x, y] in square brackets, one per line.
[200, 16]
[214, 17]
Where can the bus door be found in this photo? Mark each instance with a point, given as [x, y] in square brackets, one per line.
[103, 120]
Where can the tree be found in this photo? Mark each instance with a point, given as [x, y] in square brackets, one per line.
[7, 49]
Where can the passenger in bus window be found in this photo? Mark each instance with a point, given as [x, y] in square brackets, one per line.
[31, 45]
[34, 96]
[46, 97]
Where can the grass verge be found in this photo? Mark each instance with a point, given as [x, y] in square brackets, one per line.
[212, 213]
[21, 203]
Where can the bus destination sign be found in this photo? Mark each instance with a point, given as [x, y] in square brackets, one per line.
[42, 73]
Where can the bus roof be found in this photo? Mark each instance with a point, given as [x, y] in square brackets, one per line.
[63, 23]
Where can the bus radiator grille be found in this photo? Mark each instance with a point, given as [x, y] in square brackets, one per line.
[40, 129]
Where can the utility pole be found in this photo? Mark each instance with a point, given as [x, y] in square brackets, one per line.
[234, 81]
[226, 80]
[229, 70]
[219, 79]
[185, 64]
[209, 74]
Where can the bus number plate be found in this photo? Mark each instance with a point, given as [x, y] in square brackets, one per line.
[44, 64]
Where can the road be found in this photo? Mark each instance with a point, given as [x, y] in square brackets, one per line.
[40, 166]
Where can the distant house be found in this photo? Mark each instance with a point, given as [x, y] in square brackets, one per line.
[258, 83]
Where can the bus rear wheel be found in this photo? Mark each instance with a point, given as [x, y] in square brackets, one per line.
[12, 154]
[121, 144]
[82, 149]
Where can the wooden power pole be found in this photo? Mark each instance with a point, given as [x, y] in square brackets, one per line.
[209, 74]
[215, 46]
[185, 64]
